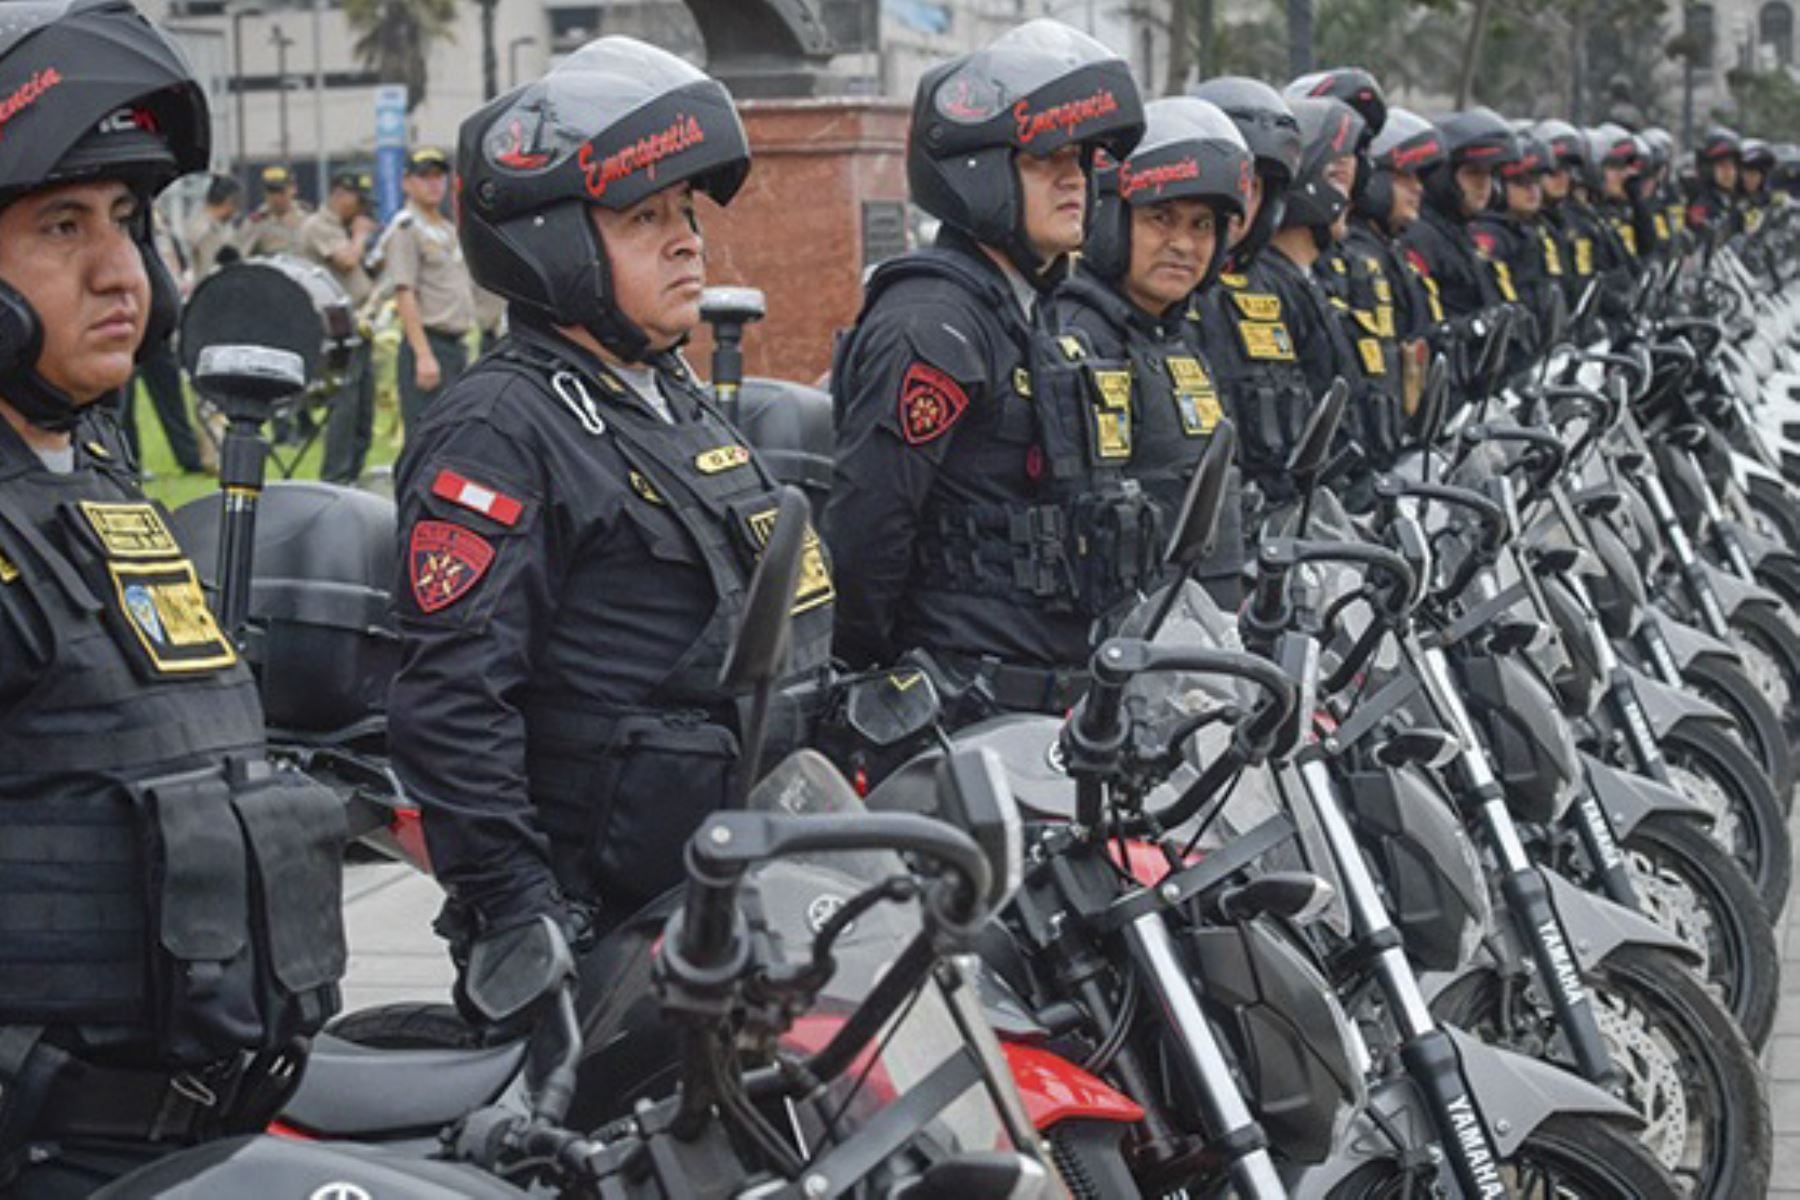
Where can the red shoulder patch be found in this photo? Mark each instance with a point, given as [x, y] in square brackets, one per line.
[1417, 262]
[489, 502]
[930, 403]
[1485, 242]
[444, 561]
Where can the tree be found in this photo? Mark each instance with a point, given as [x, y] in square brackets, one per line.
[1768, 104]
[394, 38]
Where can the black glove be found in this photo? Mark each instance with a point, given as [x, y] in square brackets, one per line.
[464, 926]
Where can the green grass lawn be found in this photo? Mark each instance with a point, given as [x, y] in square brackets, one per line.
[169, 485]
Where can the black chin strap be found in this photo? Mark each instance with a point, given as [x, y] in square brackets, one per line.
[44, 405]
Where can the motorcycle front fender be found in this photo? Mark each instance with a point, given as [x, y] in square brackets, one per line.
[1596, 927]
[1515, 1094]
[1364, 1141]
[1628, 800]
[1666, 706]
[1687, 643]
[1734, 593]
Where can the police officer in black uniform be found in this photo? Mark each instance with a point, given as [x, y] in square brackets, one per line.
[1567, 216]
[980, 510]
[1363, 285]
[1756, 161]
[577, 523]
[169, 906]
[1318, 312]
[1387, 202]
[1714, 206]
[1158, 237]
[1241, 323]
[1513, 235]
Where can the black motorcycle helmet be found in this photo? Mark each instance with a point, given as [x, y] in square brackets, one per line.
[1531, 164]
[1568, 149]
[1607, 145]
[93, 91]
[1033, 90]
[1360, 90]
[1273, 135]
[1757, 155]
[1407, 142]
[1329, 129]
[1475, 136]
[1190, 150]
[613, 123]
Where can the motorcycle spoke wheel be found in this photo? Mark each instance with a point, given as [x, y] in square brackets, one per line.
[1768, 733]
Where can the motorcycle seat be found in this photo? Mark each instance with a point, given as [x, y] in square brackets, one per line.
[357, 1091]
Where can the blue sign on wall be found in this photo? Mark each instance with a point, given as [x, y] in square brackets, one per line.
[390, 147]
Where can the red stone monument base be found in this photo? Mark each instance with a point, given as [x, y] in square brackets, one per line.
[827, 182]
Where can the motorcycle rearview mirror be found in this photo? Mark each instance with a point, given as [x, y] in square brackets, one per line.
[246, 381]
[1194, 529]
[890, 706]
[759, 652]
[728, 310]
[512, 970]
[1313, 447]
[974, 796]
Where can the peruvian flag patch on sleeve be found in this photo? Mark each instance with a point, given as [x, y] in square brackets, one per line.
[491, 503]
[444, 561]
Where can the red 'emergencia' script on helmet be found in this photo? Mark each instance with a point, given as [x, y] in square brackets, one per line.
[1066, 116]
[1132, 182]
[27, 94]
[683, 133]
[1407, 157]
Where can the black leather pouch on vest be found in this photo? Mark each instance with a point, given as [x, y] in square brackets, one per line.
[632, 789]
[243, 879]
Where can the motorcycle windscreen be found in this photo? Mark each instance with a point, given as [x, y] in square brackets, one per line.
[798, 895]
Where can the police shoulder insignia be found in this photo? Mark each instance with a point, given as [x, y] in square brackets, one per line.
[722, 458]
[1485, 242]
[641, 484]
[491, 503]
[1232, 279]
[1417, 262]
[444, 561]
[930, 403]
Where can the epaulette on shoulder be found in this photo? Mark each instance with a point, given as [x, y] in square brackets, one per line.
[1233, 280]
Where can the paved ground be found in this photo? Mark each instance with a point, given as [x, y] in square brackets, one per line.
[393, 953]
[1783, 1056]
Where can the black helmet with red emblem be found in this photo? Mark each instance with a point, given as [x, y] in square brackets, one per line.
[1719, 142]
[1568, 149]
[1273, 135]
[1190, 151]
[614, 123]
[1608, 146]
[1408, 144]
[1757, 155]
[1475, 137]
[89, 90]
[1329, 130]
[1033, 90]
[1355, 87]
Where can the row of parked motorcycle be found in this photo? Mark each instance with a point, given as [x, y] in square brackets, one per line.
[1448, 866]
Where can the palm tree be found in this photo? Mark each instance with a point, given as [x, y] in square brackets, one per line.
[394, 38]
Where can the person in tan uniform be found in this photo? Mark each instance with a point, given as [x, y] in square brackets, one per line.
[273, 227]
[423, 263]
[212, 230]
[336, 238]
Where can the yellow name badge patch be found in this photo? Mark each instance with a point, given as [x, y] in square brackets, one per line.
[164, 607]
[1584, 257]
[1266, 342]
[1372, 361]
[814, 587]
[130, 530]
[1504, 280]
[1195, 397]
[721, 458]
[1258, 306]
[1112, 418]
[1552, 257]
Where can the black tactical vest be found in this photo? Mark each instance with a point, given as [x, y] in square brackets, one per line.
[1249, 343]
[159, 886]
[1081, 537]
